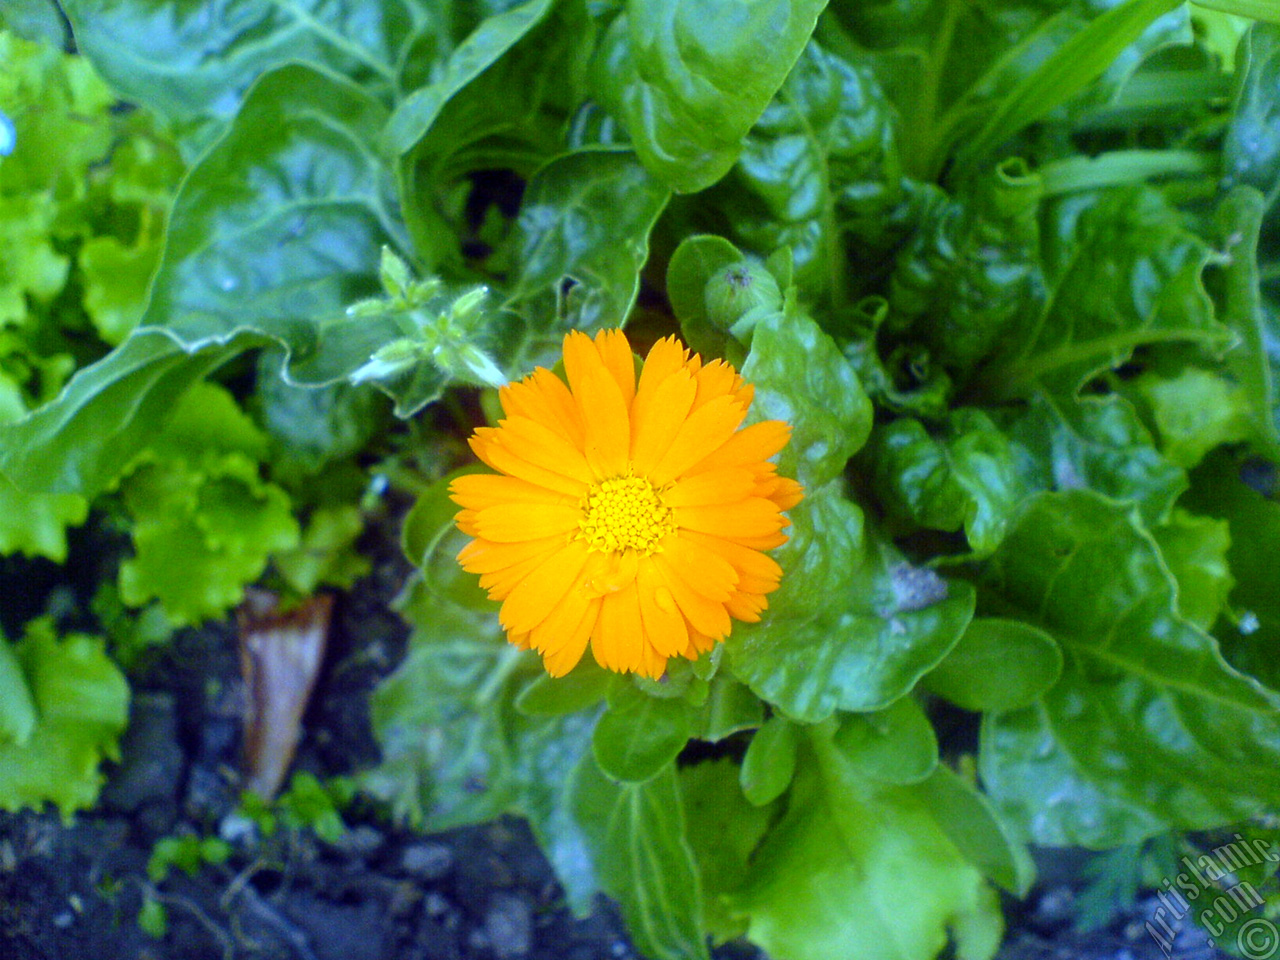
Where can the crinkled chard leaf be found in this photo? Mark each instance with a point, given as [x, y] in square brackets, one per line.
[819, 163]
[1148, 724]
[1123, 270]
[689, 79]
[853, 626]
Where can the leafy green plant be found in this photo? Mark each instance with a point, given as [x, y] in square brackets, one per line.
[63, 707]
[1008, 271]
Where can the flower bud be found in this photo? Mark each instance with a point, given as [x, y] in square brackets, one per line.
[738, 289]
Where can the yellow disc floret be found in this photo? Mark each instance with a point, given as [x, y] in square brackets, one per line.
[625, 513]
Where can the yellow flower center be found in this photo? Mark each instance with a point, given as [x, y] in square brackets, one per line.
[624, 513]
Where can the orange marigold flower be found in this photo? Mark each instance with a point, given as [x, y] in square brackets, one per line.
[631, 515]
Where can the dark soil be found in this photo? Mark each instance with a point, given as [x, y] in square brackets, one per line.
[72, 891]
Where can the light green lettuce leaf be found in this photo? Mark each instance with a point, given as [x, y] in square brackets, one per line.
[831, 879]
[82, 705]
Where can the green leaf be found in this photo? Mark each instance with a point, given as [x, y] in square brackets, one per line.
[895, 745]
[830, 880]
[82, 705]
[108, 412]
[448, 756]
[1108, 756]
[695, 261]
[153, 918]
[730, 708]
[636, 833]
[33, 523]
[582, 687]
[315, 426]
[282, 222]
[523, 109]
[1239, 221]
[178, 61]
[584, 222]
[431, 540]
[204, 521]
[821, 160]
[1063, 74]
[800, 377]
[853, 626]
[1251, 149]
[968, 819]
[689, 79]
[1195, 550]
[273, 233]
[494, 36]
[209, 421]
[997, 665]
[723, 831]
[770, 762]
[36, 20]
[200, 534]
[1123, 270]
[966, 478]
[907, 380]
[116, 279]
[971, 268]
[326, 553]
[29, 264]
[1252, 636]
[1095, 443]
[36, 523]
[1194, 411]
[17, 711]
[639, 736]
[1257, 9]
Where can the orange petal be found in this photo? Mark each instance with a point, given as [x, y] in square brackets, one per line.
[753, 517]
[500, 583]
[608, 573]
[543, 397]
[604, 411]
[482, 556]
[618, 639]
[705, 429]
[657, 417]
[716, 379]
[663, 623]
[708, 573]
[705, 616]
[746, 561]
[543, 447]
[652, 663]
[665, 357]
[555, 629]
[561, 655]
[767, 542]
[752, 444]
[513, 522]
[618, 359]
[502, 459]
[465, 520]
[698, 645]
[713, 486]
[787, 493]
[479, 490]
[746, 607]
[544, 588]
